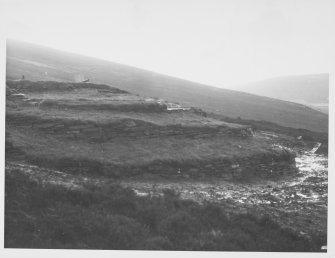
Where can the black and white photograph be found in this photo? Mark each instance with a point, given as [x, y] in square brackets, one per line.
[165, 125]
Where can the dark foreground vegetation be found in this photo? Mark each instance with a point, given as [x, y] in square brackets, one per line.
[40, 215]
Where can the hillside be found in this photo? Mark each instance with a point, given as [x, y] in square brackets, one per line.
[40, 63]
[312, 89]
[102, 130]
[93, 166]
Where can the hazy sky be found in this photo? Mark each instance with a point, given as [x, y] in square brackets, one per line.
[218, 42]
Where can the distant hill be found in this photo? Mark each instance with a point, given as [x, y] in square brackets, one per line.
[311, 89]
[41, 63]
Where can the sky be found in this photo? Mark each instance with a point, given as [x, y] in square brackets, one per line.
[217, 42]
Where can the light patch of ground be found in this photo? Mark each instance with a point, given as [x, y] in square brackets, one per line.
[32, 62]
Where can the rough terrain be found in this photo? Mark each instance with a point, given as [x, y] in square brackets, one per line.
[75, 134]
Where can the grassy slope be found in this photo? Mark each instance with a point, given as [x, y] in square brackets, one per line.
[69, 67]
[85, 101]
[136, 152]
[47, 146]
[106, 116]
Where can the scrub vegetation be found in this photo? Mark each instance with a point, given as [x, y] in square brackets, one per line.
[40, 215]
